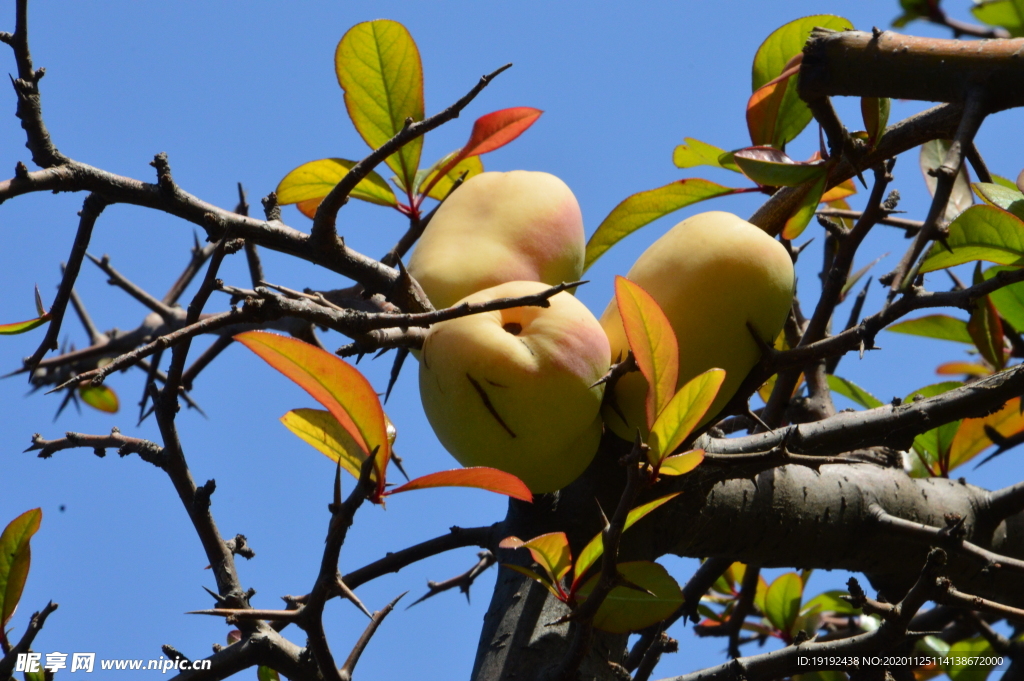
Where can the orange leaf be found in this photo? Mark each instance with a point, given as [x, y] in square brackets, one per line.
[491, 131]
[839, 192]
[960, 368]
[971, 438]
[309, 206]
[335, 384]
[652, 341]
[481, 477]
[763, 110]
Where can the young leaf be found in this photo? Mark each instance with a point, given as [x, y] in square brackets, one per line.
[981, 232]
[933, 153]
[782, 601]
[628, 609]
[480, 477]
[986, 328]
[839, 192]
[99, 397]
[683, 412]
[378, 67]
[763, 112]
[645, 207]
[439, 188]
[831, 601]
[308, 184]
[550, 551]
[15, 328]
[652, 341]
[681, 464]
[492, 131]
[323, 432]
[595, 547]
[15, 558]
[772, 168]
[875, 112]
[335, 384]
[1000, 196]
[971, 438]
[696, 153]
[1009, 300]
[527, 572]
[852, 391]
[940, 326]
[800, 218]
[791, 114]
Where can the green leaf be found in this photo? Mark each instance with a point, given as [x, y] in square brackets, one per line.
[852, 391]
[985, 327]
[772, 168]
[1008, 198]
[266, 674]
[99, 397]
[875, 112]
[696, 153]
[940, 326]
[683, 412]
[1004, 182]
[1006, 13]
[790, 114]
[933, 153]
[936, 442]
[645, 207]
[981, 232]
[782, 601]
[311, 182]
[963, 654]
[628, 609]
[1009, 300]
[912, 9]
[595, 547]
[800, 218]
[378, 67]
[15, 558]
[830, 601]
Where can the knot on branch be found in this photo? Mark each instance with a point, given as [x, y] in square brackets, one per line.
[201, 501]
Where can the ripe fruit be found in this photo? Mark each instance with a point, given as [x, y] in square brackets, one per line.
[498, 227]
[510, 389]
[712, 274]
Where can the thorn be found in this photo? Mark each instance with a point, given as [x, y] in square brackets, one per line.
[216, 596]
[350, 595]
[396, 369]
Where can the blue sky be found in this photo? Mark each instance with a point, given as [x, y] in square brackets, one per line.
[244, 92]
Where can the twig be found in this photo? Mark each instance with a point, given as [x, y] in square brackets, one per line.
[464, 581]
[166, 312]
[975, 110]
[147, 451]
[360, 646]
[35, 625]
[324, 229]
[944, 538]
[910, 226]
[91, 209]
[83, 315]
[200, 254]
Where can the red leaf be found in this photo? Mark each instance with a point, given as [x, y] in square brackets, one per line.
[481, 477]
[491, 131]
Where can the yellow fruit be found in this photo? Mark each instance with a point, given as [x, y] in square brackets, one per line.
[499, 227]
[711, 274]
[510, 389]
